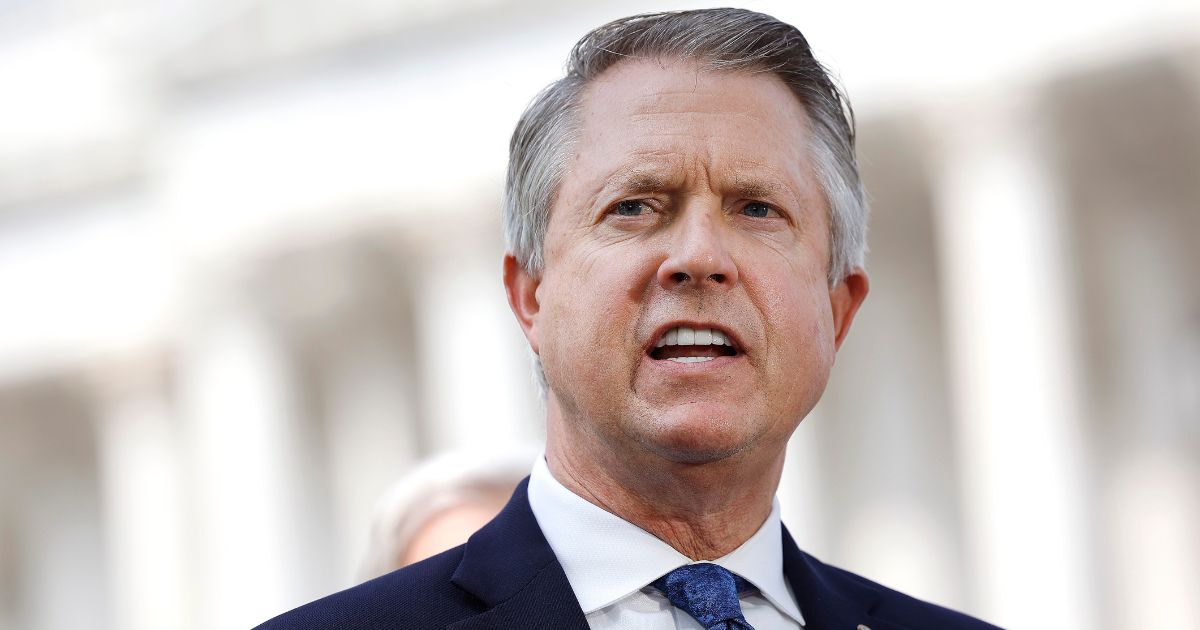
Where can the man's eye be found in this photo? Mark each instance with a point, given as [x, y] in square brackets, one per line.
[632, 208]
[757, 210]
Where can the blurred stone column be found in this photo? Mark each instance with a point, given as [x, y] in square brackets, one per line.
[142, 494]
[237, 400]
[1128, 142]
[51, 512]
[477, 382]
[371, 424]
[345, 307]
[1009, 299]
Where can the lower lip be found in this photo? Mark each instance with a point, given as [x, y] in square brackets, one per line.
[697, 367]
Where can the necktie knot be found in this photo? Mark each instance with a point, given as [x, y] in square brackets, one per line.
[708, 592]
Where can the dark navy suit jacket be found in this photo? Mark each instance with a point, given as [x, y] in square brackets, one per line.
[506, 576]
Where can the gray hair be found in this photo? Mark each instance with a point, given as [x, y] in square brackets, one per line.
[440, 483]
[721, 39]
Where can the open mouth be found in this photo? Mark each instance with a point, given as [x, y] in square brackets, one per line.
[682, 344]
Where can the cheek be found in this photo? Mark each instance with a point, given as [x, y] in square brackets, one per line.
[608, 282]
[801, 357]
[590, 310]
[801, 327]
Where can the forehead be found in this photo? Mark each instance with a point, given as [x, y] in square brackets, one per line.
[677, 119]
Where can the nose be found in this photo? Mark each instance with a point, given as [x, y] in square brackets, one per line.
[698, 255]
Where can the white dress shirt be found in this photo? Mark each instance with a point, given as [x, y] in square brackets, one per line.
[610, 563]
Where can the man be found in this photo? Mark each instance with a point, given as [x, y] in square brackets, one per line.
[686, 231]
[439, 504]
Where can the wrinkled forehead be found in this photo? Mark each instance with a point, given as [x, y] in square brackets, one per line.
[646, 123]
[642, 86]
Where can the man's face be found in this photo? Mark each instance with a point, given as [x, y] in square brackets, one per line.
[689, 203]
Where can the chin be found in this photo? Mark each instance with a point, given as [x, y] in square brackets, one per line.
[699, 436]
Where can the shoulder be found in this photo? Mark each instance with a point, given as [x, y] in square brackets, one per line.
[899, 608]
[419, 595]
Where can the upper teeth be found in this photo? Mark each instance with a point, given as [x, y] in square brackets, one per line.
[684, 336]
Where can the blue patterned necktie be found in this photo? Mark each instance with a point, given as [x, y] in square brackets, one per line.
[707, 592]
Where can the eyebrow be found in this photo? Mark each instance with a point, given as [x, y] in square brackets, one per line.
[638, 181]
[756, 188]
[642, 180]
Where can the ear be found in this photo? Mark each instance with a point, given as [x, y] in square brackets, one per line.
[521, 288]
[845, 298]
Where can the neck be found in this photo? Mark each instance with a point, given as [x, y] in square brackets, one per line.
[703, 510]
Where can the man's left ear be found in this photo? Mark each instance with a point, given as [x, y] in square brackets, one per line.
[845, 298]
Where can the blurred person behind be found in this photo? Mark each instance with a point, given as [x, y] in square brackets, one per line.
[439, 504]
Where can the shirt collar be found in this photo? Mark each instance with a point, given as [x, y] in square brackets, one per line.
[607, 558]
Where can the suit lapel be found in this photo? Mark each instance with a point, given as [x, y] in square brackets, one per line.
[510, 567]
[545, 602]
[827, 600]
